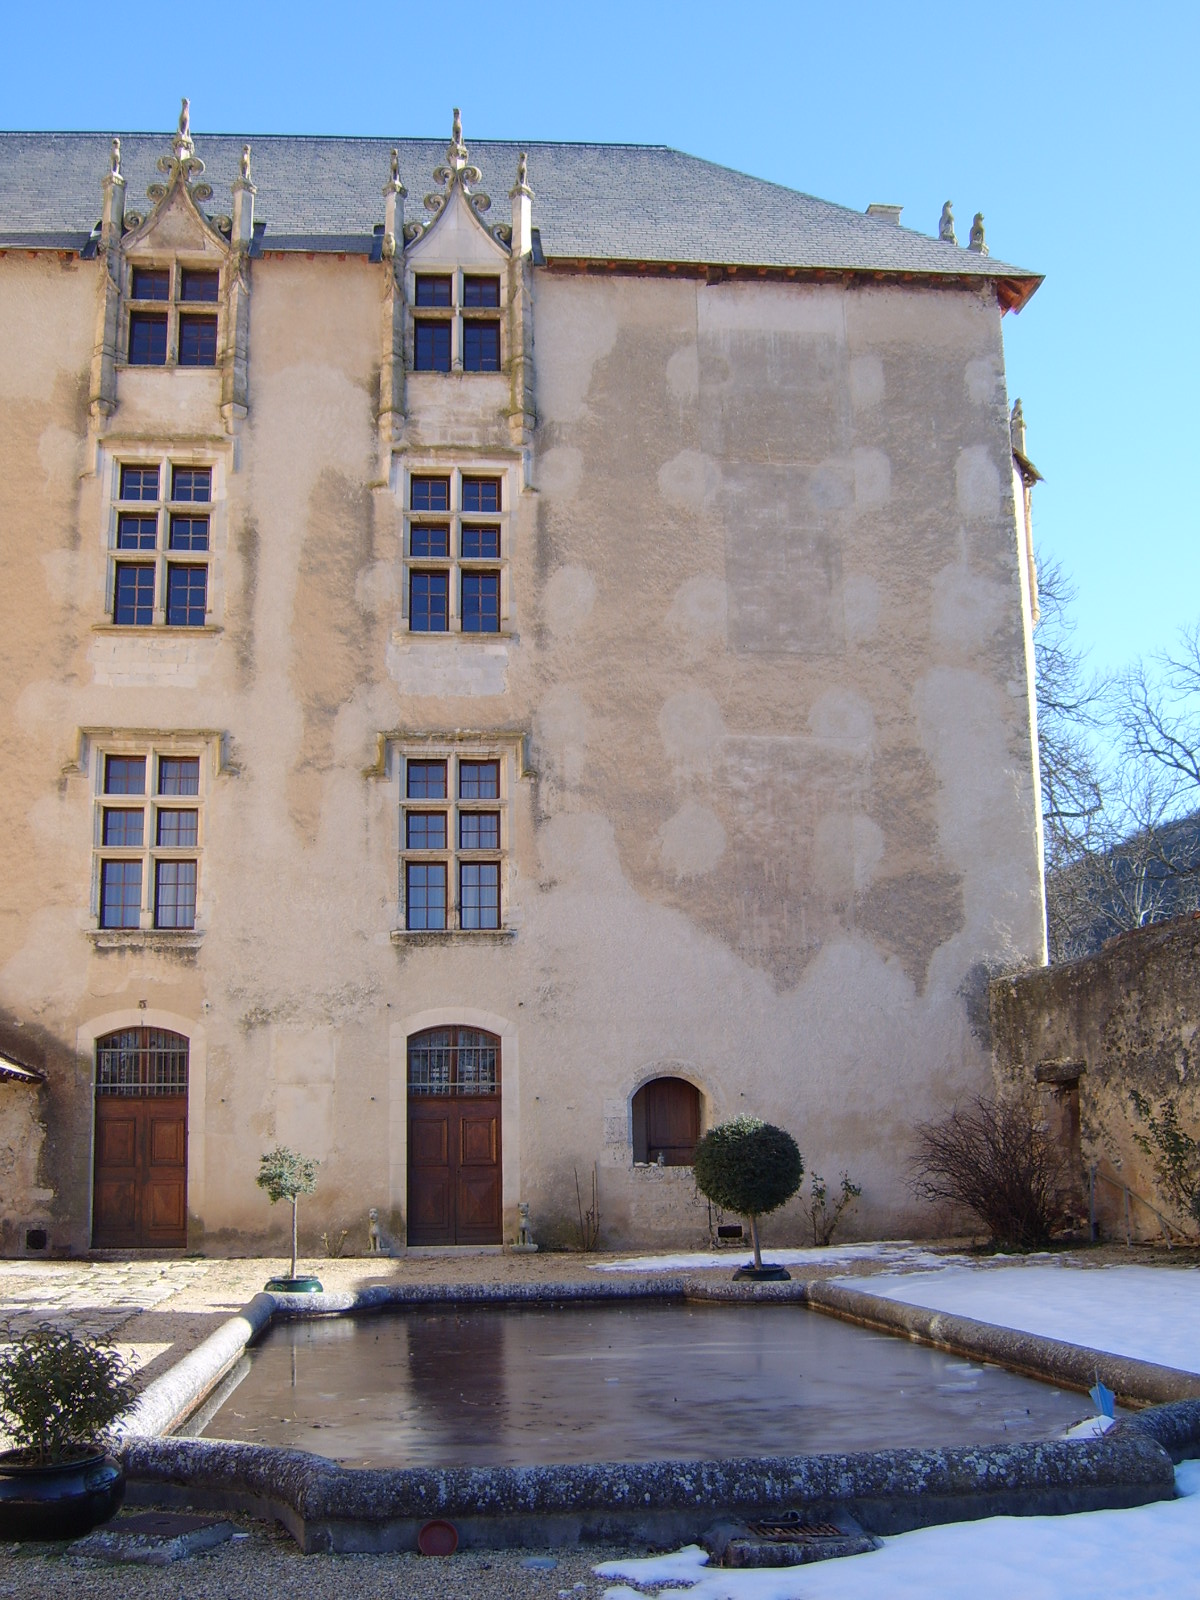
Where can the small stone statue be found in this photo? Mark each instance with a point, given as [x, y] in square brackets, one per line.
[946, 225]
[395, 166]
[374, 1233]
[978, 243]
[245, 163]
[115, 165]
[525, 1244]
[523, 170]
[185, 119]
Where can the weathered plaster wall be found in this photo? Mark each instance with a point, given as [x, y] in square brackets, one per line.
[766, 655]
[1128, 1018]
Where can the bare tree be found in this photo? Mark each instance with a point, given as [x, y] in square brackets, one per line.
[1159, 715]
[1071, 706]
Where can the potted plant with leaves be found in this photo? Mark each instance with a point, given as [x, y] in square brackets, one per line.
[59, 1394]
[751, 1167]
[286, 1176]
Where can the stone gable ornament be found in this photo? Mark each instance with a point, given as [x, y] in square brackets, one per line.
[183, 165]
[978, 242]
[115, 160]
[245, 163]
[946, 225]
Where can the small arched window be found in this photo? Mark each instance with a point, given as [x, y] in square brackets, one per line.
[666, 1122]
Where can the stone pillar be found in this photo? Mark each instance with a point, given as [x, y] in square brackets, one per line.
[521, 415]
[102, 396]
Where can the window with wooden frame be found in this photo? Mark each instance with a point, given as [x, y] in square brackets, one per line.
[172, 315]
[147, 836]
[160, 543]
[666, 1122]
[457, 322]
[456, 549]
[453, 840]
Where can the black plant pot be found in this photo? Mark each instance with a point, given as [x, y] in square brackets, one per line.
[764, 1274]
[60, 1500]
[287, 1285]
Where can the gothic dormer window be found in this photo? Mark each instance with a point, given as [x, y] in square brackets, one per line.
[172, 312]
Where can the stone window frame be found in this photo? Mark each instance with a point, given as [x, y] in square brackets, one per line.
[507, 751]
[174, 306]
[115, 458]
[454, 564]
[457, 314]
[153, 803]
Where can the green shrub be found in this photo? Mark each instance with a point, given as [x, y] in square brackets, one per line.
[750, 1167]
[286, 1176]
[60, 1391]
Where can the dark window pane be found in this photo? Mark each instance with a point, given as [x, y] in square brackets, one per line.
[120, 893]
[429, 602]
[429, 539]
[175, 894]
[197, 341]
[123, 829]
[478, 1059]
[481, 347]
[429, 494]
[481, 602]
[425, 896]
[479, 780]
[133, 595]
[433, 289]
[189, 533]
[481, 494]
[177, 829]
[431, 347]
[426, 780]
[479, 830]
[191, 483]
[150, 283]
[139, 483]
[425, 830]
[481, 544]
[429, 1058]
[198, 285]
[479, 897]
[481, 291]
[179, 774]
[137, 533]
[147, 338]
[124, 774]
[187, 590]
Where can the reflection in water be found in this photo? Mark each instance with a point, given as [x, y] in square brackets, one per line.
[484, 1387]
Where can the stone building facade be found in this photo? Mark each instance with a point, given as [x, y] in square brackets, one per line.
[487, 699]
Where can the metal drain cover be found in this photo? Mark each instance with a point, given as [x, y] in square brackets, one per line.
[786, 1539]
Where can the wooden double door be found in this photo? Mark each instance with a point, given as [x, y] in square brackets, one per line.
[454, 1179]
[139, 1189]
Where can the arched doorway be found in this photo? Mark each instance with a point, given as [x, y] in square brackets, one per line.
[140, 1174]
[666, 1122]
[454, 1187]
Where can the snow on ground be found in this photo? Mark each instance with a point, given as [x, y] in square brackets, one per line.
[1149, 1553]
[896, 1253]
[1151, 1313]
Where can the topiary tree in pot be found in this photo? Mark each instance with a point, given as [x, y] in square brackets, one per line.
[59, 1394]
[750, 1167]
[286, 1176]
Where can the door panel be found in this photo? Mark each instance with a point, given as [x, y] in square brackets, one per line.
[140, 1181]
[454, 1190]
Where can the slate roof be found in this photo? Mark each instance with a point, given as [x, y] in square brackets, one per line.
[631, 203]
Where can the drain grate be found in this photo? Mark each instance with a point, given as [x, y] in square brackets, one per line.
[785, 1539]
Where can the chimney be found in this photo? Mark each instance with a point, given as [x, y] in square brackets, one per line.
[885, 213]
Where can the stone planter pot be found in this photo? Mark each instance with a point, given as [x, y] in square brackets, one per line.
[59, 1500]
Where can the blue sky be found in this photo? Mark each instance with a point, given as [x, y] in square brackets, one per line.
[1066, 124]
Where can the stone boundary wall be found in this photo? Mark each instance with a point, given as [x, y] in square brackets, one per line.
[1086, 1033]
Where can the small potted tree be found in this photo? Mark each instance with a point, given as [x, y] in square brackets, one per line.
[59, 1393]
[286, 1176]
[750, 1167]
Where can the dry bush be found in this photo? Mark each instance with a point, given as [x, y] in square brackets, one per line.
[995, 1158]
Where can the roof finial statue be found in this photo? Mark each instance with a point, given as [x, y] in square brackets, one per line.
[978, 243]
[183, 162]
[115, 161]
[245, 163]
[1016, 423]
[522, 184]
[457, 153]
[395, 173]
[946, 225]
